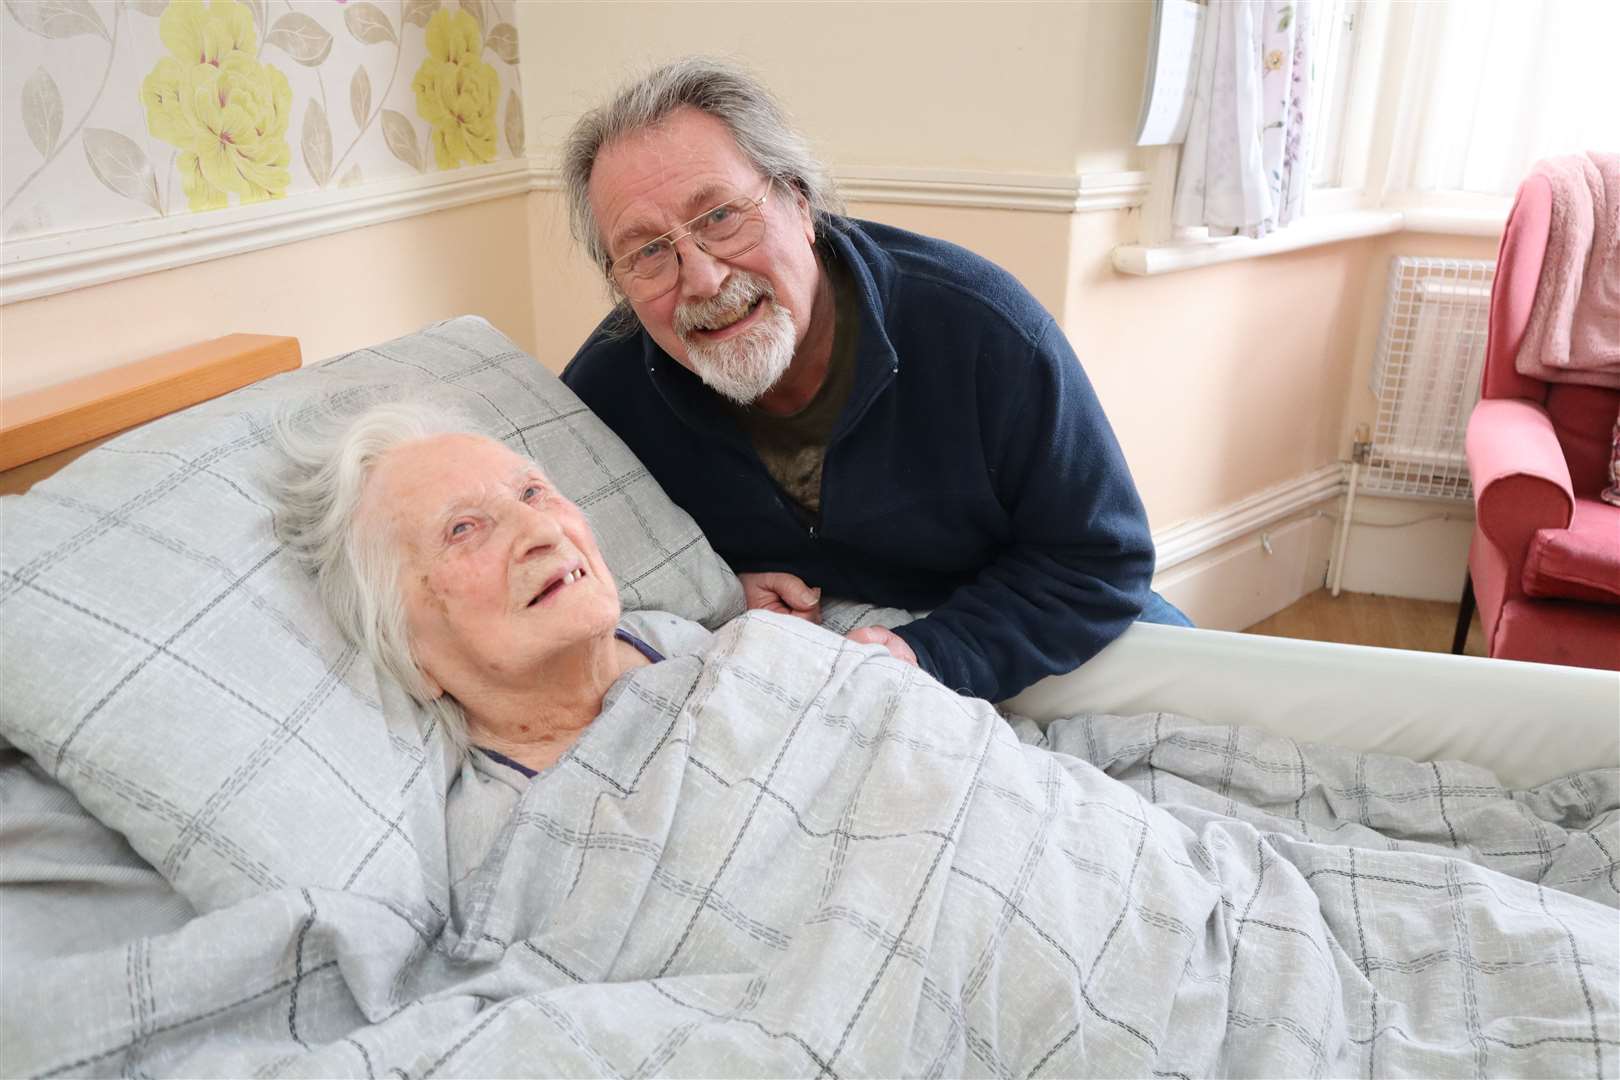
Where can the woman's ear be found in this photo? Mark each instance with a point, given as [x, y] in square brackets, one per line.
[430, 686]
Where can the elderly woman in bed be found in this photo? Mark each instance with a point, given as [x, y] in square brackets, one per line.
[459, 567]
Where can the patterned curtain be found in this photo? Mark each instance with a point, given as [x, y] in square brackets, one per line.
[1245, 166]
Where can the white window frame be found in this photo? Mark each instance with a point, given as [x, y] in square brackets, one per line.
[1354, 207]
[1356, 112]
[1336, 27]
[1363, 81]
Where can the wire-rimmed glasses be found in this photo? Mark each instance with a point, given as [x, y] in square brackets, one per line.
[733, 228]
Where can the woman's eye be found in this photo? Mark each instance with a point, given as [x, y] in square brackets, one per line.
[719, 214]
[531, 493]
[460, 528]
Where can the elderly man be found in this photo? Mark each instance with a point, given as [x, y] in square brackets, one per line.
[843, 405]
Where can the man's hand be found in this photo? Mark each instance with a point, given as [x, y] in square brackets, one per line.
[781, 592]
[877, 635]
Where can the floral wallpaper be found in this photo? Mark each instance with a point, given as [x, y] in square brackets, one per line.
[126, 110]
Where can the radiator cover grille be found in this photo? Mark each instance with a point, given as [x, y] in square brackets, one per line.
[1426, 376]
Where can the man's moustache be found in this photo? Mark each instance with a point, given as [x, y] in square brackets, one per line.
[733, 300]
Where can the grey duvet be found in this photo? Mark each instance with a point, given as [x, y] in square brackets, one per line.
[789, 855]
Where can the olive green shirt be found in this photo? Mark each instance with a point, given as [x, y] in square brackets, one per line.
[793, 447]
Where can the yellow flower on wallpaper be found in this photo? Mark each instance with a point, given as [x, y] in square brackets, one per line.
[226, 112]
[456, 91]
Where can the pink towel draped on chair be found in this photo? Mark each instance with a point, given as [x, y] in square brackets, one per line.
[1574, 330]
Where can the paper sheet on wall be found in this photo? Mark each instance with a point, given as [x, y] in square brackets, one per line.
[1172, 58]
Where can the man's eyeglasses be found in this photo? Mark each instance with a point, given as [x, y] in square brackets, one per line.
[730, 229]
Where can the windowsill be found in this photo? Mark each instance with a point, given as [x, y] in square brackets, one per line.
[1147, 260]
[1455, 222]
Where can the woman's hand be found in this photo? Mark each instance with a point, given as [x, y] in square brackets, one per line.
[877, 635]
[781, 592]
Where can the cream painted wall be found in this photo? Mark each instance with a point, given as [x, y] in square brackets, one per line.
[334, 293]
[570, 296]
[1221, 381]
[1011, 86]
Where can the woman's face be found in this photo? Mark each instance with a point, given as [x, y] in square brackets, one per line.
[500, 572]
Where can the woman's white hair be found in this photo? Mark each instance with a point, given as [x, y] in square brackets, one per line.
[355, 559]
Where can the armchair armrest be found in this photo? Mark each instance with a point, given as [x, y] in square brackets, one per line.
[1521, 480]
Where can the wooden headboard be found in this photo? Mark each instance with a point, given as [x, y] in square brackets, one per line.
[43, 431]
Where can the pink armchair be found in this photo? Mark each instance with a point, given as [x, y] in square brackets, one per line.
[1544, 565]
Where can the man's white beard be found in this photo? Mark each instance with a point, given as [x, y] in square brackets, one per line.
[745, 366]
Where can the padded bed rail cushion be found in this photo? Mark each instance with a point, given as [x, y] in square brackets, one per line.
[1528, 723]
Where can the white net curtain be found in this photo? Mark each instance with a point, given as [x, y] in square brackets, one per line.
[1489, 87]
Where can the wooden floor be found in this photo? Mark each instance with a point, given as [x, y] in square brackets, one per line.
[1363, 619]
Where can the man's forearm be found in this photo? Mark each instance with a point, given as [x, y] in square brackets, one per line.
[1014, 625]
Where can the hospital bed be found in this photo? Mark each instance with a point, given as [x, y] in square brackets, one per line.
[142, 586]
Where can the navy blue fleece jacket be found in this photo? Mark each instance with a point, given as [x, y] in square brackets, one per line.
[972, 471]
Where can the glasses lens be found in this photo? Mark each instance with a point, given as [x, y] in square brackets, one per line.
[730, 229]
[648, 271]
[643, 266]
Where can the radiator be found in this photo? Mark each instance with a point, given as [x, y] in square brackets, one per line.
[1426, 376]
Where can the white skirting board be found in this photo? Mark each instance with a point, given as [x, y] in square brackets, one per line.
[1239, 583]
[1407, 547]
[1241, 564]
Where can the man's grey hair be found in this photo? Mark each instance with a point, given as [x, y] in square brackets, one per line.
[356, 560]
[723, 91]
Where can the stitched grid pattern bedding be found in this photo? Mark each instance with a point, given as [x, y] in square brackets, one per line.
[1560, 834]
[790, 855]
[784, 855]
[145, 580]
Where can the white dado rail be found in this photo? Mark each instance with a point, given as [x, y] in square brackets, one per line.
[1048, 192]
[58, 262]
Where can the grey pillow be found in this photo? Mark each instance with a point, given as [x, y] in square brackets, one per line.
[147, 607]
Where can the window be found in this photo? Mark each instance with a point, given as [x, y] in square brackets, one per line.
[1429, 111]
[1482, 89]
[1334, 53]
